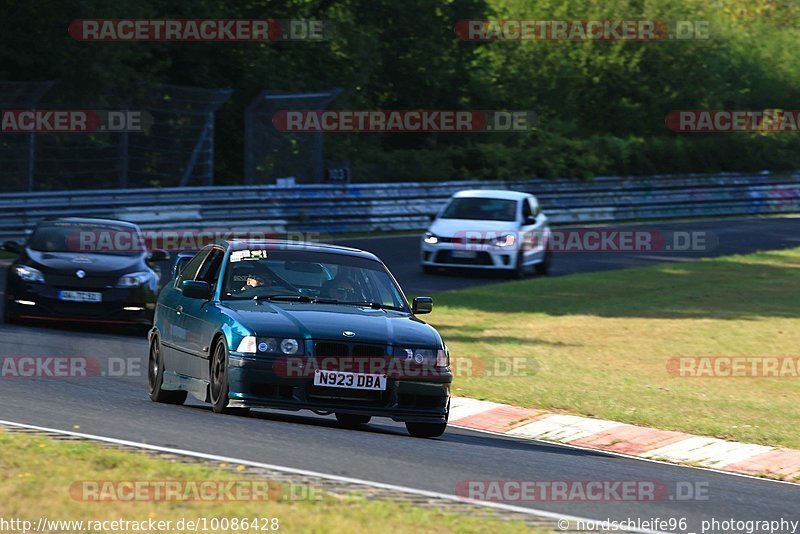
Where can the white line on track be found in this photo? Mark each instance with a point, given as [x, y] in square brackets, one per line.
[224, 459]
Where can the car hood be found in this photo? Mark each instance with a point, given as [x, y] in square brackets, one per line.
[329, 321]
[93, 264]
[460, 227]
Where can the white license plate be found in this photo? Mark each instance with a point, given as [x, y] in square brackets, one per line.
[465, 254]
[347, 380]
[80, 296]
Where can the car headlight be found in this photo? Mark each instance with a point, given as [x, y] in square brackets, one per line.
[506, 240]
[251, 345]
[442, 357]
[289, 346]
[430, 238]
[247, 344]
[428, 357]
[29, 274]
[134, 279]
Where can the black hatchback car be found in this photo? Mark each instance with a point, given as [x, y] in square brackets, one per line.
[84, 270]
[298, 326]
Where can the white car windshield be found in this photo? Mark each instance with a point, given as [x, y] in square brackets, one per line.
[481, 209]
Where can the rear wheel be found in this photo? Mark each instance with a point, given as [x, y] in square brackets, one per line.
[426, 430]
[219, 381]
[155, 378]
[350, 420]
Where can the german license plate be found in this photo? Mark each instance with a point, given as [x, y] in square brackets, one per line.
[347, 380]
[80, 296]
[465, 254]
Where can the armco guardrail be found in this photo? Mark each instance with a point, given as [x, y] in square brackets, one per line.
[404, 206]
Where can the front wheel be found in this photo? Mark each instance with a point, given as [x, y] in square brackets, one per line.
[350, 420]
[426, 430]
[155, 378]
[219, 381]
[543, 268]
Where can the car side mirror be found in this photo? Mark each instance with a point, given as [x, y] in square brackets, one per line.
[12, 246]
[158, 255]
[422, 305]
[180, 264]
[530, 219]
[196, 289]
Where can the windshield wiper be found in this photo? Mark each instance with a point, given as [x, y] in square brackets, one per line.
[374, 305]
[285, 298]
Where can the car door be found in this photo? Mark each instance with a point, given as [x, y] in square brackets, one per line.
[533, 226]
[172, 319]
[200, 319]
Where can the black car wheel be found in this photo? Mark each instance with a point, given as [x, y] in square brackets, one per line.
[426, 430]
[519, 268]
[544, 267]
[155, 377]
[219, 381]
[8, 315]
[351, 420]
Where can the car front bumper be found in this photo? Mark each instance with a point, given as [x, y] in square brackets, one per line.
[133, 306]
[445, 254]
[254, 383]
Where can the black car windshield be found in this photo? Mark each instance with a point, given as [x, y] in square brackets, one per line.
[481, 209]
[87, 238]
[329, 277]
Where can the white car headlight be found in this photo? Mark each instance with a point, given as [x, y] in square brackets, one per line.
[134, 279]
[506, 240]
[247, 344]
[29, 274]
[442, 357]
[430, 238]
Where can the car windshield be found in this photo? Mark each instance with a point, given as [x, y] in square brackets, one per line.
[481, 209]
[87, 238]
[302, 275]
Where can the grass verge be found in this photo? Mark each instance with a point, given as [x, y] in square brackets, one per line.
[600, 344]
[39, 474]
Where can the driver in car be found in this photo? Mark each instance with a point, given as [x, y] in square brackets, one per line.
[340, 288]
[252, 278]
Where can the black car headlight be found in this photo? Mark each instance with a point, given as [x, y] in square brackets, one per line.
[136, 279]
[270, 345]
[29, 274]
[426, 357]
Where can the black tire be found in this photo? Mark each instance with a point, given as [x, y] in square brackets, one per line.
[8, 316]
[218, 381]
[519, 269]
[155, 377]
[543, 268]
[351, 421]
[426, 430]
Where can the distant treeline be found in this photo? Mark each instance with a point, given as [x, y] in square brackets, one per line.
[601, 106]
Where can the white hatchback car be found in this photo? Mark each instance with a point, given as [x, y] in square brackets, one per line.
[489, 229]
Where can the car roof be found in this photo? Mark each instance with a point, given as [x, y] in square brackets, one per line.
[492, 193]
[242, 244]
[91, 220]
